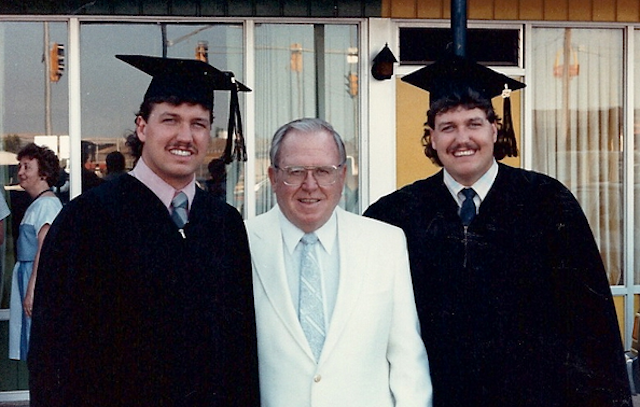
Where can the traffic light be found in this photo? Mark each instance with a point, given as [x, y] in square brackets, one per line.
[352, 84]
[56, 62]
[202, 51]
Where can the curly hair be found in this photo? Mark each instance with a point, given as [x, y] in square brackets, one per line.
[468, 99]
[48, 163]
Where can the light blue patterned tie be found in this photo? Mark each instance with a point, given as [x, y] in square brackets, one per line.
[468, 209]
[311, 308]
[179, 209]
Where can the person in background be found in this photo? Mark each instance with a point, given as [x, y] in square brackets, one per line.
[144, 297]
[217, 184]
[115, 165]
[511, 291]
[38, 171]
[336, 318]
[89, 177]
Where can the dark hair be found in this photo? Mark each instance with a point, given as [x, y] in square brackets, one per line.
[468, 99]
[48, 163]
[87, 151]
[115, 162]
[305, 125]
[147, 105]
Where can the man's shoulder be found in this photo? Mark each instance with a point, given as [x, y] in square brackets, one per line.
[422, 196]
[367, 226]
[262, 224]
[533, 181]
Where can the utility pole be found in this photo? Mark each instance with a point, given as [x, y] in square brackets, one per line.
[459, 26]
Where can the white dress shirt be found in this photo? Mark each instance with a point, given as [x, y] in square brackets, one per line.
[327, 254]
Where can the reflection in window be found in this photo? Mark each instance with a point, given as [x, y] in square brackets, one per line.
[306, 71]
[33, 107]
[577, 114]
[112, 90]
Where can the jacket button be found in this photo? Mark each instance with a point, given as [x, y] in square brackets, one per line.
[317, 378]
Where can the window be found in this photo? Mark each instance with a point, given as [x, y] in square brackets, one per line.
[419, 46]
[33, 106]
[578, 127]
[305, 70]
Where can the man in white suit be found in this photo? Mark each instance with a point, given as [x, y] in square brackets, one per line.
[336, 320]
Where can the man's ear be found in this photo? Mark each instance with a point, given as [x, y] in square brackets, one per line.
[141, 127]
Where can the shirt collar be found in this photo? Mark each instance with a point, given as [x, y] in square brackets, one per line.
[481, 186]
[158, 186]
[292, 234]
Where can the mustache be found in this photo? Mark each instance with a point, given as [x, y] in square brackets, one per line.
[462, 146]
[183, 146]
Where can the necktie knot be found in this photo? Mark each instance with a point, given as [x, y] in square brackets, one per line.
[179, 205]
[468, 208]
[309, 239]
[468, 193]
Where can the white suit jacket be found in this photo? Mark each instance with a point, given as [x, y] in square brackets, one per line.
[373, 354]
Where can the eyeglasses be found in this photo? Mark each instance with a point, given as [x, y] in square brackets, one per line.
[324, 175]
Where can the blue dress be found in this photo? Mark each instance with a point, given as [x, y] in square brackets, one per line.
[42, 211]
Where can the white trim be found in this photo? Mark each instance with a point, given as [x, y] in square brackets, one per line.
[364, 117]
[526, 141]
[628, 251]
[19, 395]
[249, 119]
[382, 115]
[75, 109]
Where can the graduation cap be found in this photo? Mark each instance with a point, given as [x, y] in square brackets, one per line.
[194, 81]
[457, 75]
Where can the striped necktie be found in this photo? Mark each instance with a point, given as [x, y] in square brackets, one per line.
[179, 209]
[311, 306]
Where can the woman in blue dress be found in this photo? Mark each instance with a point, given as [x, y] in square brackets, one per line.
[38, 171]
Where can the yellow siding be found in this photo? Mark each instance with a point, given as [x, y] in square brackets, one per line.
[604, 11]
[480, 10]
[505, 10]
[628, 10]
[580, 10]
[404, 8]
[431, 9]
[530, 10]
[523, 10]
[556, 10]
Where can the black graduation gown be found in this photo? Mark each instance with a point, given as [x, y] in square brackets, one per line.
[519, 311]
[129, 313]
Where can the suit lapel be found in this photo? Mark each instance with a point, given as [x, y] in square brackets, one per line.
[353, 258]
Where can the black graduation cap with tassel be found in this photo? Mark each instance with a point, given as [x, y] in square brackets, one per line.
[457, 75]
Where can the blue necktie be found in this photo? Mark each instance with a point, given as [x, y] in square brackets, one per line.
[311, 306]
[468, 209]
[179, 209]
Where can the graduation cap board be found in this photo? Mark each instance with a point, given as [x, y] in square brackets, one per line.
[194, 81]
[455, 75]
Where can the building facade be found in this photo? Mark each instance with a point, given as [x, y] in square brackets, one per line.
[577, 120]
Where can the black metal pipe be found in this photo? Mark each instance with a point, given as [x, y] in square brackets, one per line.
[459, 26]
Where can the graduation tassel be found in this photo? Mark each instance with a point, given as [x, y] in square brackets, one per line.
[234, 131]
[506, 144]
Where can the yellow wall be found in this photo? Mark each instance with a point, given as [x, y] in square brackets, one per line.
[543, 10]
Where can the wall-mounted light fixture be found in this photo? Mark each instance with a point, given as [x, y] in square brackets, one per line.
[382, 67]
